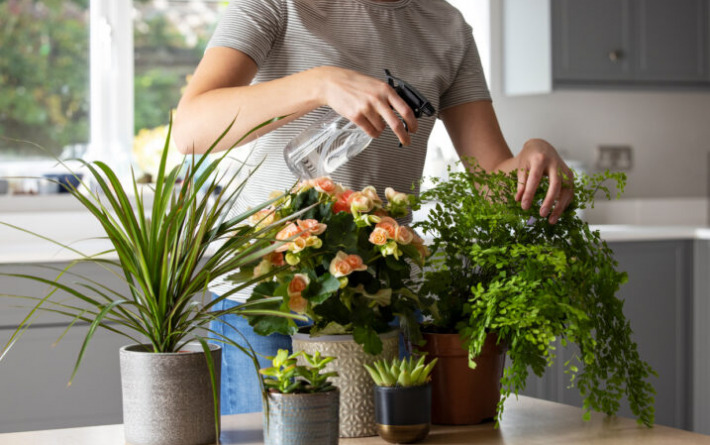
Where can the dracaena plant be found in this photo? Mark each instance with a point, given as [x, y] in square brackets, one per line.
[499, 268]
[167, 253]
[345, 262]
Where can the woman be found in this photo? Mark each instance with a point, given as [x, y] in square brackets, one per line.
[293, 58]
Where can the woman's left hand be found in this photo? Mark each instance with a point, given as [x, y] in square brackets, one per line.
[536, 159]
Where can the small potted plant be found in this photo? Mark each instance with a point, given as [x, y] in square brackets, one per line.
[301, 403]
[346, 264]
[502, 277]
[167, 249]
[402, 398]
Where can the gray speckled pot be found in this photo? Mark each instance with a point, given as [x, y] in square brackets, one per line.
[302, 419]
[167, 397]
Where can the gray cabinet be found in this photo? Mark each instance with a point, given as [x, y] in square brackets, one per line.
[659, 304]
[630, 42]
[34, 373]
[591, 40]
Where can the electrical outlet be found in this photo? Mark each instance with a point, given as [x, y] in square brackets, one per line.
[614, 157]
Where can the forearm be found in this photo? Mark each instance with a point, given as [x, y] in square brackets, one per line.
[475, 133]
[201, 118]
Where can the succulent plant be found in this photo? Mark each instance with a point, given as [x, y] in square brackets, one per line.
[405, 372]
[287, 377]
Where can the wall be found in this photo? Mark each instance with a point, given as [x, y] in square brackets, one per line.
[669, 131]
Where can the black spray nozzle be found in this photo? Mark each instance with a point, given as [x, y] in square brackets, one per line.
[416, 100]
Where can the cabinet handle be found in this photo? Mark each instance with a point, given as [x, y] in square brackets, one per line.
[616, 55]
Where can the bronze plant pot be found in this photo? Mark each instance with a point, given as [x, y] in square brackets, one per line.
[461, 395]
[403, 414]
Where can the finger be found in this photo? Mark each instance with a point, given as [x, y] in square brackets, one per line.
[522, 179]
[553, 193]
[367, 126]
[531, 185]
[566, 196]
[404, 111]
[396, 125]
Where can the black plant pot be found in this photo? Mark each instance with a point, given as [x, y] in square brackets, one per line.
[403, 414]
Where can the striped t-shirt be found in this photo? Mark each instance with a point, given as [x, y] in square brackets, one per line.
[427, 43]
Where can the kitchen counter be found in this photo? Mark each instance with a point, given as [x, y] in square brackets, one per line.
[80, 230]
[527, 421]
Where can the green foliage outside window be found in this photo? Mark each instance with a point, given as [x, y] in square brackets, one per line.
[44, 68]
[44, 73]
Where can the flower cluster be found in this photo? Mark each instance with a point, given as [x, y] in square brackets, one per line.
[343, 260]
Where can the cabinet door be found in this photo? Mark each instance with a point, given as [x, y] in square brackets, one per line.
[671, 40]
[591, 40]
[33, 380]
[657, 302]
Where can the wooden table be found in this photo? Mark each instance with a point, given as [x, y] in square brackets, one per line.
[526, 421]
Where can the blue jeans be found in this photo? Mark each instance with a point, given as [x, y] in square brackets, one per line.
[240, 390]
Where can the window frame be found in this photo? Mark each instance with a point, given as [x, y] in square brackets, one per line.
[111, 82]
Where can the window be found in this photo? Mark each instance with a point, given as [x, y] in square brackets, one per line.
[44, 77]
[84, 77]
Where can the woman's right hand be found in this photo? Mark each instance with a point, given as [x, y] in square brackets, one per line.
[368, 102]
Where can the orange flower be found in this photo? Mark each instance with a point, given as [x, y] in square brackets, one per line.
[339, 266]
[355, 262]
[298, 244]
[359, 202]
[389, 225]
[298, 284]
[341, 204]
[311, 226]
[378, 236]
[287, 233]
[371, 193]
[396, 197]
[297, 303]
[303, 186]
[276, 258]
[325, 185]
[404, 235]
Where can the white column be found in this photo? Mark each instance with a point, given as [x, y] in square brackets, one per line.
[111, 61]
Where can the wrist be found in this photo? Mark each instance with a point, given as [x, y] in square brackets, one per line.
[320, 79]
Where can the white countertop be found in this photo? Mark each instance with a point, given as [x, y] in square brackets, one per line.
[82, 232]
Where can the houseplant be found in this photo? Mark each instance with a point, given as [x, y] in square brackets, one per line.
[301, 402]
[522, 283]
[346, 265]
[402, 398]
[167, 253]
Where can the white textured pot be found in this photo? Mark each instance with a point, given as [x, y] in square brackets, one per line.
[357, 407]
[167, 397]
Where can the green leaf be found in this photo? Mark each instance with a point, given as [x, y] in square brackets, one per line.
[368, 338]
[320, 290]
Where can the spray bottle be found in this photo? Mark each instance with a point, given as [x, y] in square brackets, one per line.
[333, 140]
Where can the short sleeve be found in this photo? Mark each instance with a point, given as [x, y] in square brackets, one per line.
[469, 85]
[250, 26]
